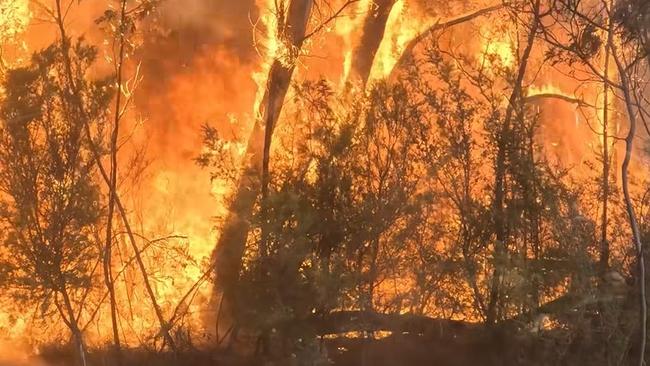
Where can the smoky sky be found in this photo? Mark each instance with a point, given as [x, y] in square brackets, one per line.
[184, 29]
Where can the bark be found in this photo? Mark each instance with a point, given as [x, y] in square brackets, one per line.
[374, 28]
[255, 178]
[604, 243]
[277, 87]
[534, 209]
[67, 313]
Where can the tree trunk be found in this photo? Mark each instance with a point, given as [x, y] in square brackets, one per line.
[68, 315]
[634, 224]
[231, 245]
[410, 47]
[374, 28]
[112, 189]
[604, 243]
[65, 42]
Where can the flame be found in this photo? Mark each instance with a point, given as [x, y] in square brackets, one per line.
[346, 28]
[14, 18]
[403, 25]
[496, 48]
[269, 48]
[547, 88]
[498, 52]
[177, 198]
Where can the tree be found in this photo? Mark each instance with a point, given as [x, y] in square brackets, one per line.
[374, 28]
[232, 241]
[293, 20]
[121, 32]
[626, 44]
[124, 25]
[50, 203]
[337, 213]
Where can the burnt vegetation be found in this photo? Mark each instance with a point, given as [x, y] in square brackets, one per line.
[447, 209]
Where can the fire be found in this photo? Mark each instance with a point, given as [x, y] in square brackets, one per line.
[548, 88]
[14, 18]
[175, 201]
[346, 28]
[171, 197]
[268, 47]
[403, 25]
[499, 49]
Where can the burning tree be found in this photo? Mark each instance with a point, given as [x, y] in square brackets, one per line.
[426, 191]
[50, 203]
[519, 232]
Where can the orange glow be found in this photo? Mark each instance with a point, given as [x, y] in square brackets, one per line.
[169, 196]
[14, 18]
[404, 24]
[346, 28]
[497, 47]
[268, 47]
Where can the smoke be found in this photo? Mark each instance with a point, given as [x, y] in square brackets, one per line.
[183, 30]
[197, 57]
[222, 22]
[18, 355]
[197, 62]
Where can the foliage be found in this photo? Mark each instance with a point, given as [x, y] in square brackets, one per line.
[50, 203]
[344, 195]
[383, 201]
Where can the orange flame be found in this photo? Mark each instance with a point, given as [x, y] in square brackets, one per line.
[403, 25]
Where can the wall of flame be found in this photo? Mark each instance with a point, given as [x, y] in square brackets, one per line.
[205, 61]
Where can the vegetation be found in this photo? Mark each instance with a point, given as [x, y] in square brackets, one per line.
[433, 214]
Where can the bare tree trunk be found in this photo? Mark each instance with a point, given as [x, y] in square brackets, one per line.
[277, 87]
[604, 243]
[500, 170]
[108, 266]
[374, 28]
[232, 241]
[636, 235]
[68, 316]
[164, 326]
[535, 219]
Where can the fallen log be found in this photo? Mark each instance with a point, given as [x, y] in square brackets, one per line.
[342, 323]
